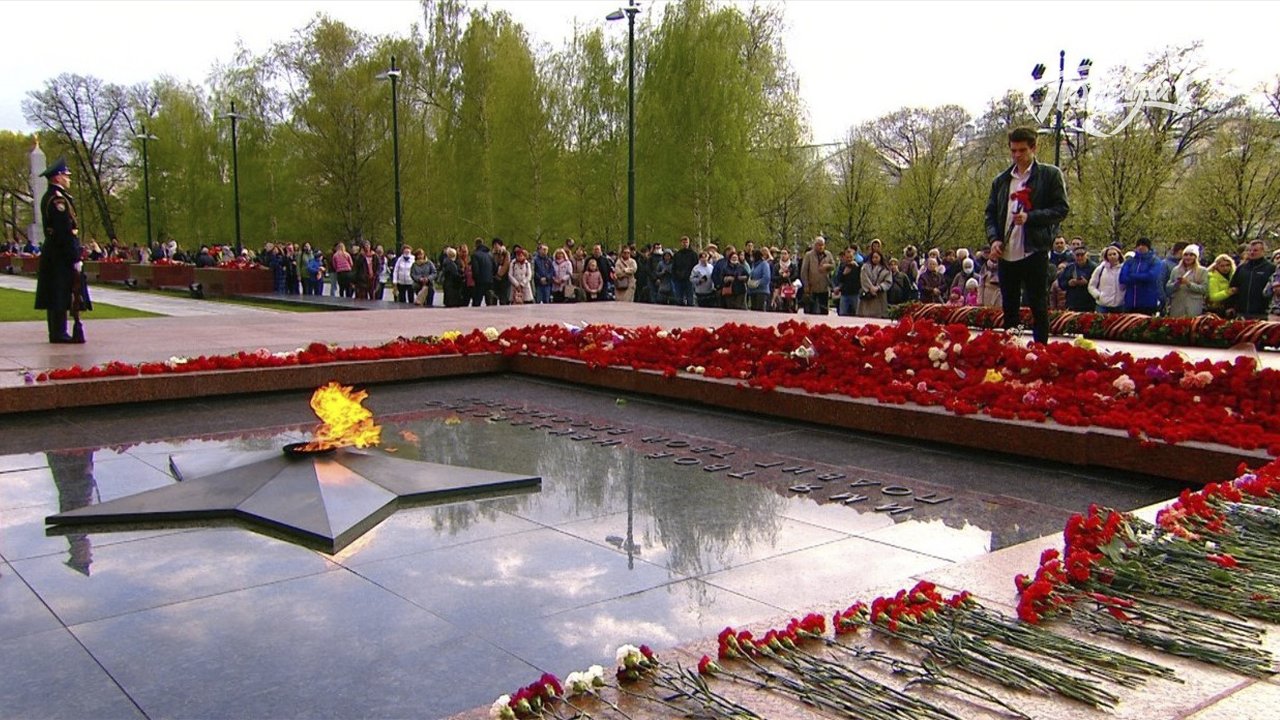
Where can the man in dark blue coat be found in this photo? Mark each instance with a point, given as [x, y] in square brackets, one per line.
[59, 271]
[1028, 203]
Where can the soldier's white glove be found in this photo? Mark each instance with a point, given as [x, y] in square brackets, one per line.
[78, 266]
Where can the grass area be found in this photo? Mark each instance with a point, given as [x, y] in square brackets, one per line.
[252, 302]
[16, 306]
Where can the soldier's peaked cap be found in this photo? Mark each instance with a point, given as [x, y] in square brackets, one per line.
[57, 168]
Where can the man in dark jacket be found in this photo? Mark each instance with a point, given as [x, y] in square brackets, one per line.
[682, 263]
[1074, 279]
[1250, 283]
[60, 253]
[483, 270]
[1027, 204]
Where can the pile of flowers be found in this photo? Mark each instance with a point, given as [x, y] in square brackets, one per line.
[1199, 331]
[237, 264]
[1213, 548]
[1172, 398]
[313, 354]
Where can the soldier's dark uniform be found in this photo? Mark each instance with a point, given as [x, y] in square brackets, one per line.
[58, 255]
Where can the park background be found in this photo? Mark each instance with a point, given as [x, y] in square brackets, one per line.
[504, 134]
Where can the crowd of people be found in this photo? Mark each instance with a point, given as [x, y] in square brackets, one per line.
[1179, 283]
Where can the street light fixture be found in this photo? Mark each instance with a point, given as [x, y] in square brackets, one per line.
[394, 76]
[629, 12]
[1038, 97]
[235, 117]
[146, 137]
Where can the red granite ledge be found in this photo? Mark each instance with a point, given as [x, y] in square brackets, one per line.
[1099, 447]
[179, 386]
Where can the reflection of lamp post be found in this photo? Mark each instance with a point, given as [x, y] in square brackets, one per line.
[146, 137]
[629, 12]
[394, 75]
[234, 116]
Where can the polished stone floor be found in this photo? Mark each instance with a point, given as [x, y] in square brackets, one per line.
[441, 608]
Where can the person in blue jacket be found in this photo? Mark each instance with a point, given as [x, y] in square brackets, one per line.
[1140, 276]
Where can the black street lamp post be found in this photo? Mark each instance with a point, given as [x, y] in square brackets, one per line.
[1060, 100]
[235, 117]
[394, 76]
[146, 137]
[630, 12]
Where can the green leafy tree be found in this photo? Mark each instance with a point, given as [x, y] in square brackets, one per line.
[15, 184]
[1233, 193]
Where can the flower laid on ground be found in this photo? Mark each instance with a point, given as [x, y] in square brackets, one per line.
[918, 362]
[1117, 574]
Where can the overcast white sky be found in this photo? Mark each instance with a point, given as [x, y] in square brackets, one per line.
[856, 60]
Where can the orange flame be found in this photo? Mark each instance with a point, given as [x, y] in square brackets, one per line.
[344, 420]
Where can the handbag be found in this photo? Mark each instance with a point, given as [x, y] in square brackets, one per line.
[726, 291]
[753, 283]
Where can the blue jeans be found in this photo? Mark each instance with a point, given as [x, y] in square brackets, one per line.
[542, 294]
[848, 305]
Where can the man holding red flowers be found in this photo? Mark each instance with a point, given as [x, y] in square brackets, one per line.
[1027, 205]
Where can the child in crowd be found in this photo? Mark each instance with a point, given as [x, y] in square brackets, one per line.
[971, 292]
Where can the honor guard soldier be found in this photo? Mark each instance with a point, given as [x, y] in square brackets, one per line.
[59, 275]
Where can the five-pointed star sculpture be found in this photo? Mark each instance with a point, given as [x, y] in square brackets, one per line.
[325, 501]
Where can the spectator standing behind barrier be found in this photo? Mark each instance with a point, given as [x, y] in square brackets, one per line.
[760, 281]
[700, 278]
[402, 276]
[989, 289]
[1273, 311]
[876, 281]
[520, 276]
[932, 283]
[562, 289]
[682, 263]
[733, 283]
[1252, 281]
[849, 283]
[1074, 280]
[1105, 285]
[1028, 202]
[624, 272]
[1220, 299]
[1140, 276]
[815, 277]
[455, 280]
[1187, 286]
[901, 289]
[423, 274]
[544, 272]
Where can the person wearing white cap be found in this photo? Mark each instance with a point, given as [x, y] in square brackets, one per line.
[1188, 285]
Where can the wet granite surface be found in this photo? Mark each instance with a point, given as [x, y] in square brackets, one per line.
[441, 608]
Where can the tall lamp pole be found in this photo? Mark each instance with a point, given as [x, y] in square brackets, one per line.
[394, 76]
[630, 12]
[235, 117]
[1060, 100]
[146, 137]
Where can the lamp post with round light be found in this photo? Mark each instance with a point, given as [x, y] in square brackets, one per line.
[629, 12]
[146, 137]
[235, 117]
[393, 75]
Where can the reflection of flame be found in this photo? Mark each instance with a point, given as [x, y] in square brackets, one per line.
[343, 420]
